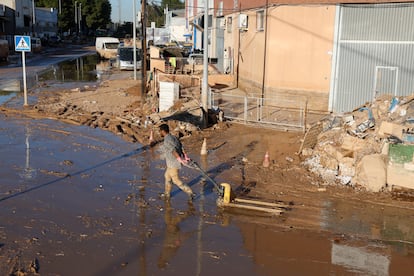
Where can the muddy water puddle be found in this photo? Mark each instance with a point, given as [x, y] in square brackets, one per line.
[73, 72]
[81, 201]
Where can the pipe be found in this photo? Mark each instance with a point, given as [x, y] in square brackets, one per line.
[264, 54]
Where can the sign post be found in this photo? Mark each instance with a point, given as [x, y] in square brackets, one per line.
[22, 44]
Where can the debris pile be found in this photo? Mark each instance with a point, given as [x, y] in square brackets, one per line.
[371, 147]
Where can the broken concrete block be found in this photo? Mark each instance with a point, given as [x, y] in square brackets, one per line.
[371, 172]
[332, 152]
[409, 166]
[346, 167]
[307, 152]
[397, 175]
[385, 148]
[351, 143]
[387, 128]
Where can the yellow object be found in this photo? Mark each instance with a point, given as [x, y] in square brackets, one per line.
[173, 61]
[227, 192]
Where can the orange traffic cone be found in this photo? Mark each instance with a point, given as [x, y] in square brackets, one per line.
[204, 147]
[266, 161]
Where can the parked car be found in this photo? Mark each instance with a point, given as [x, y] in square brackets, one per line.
[54, 40]
[126, 58]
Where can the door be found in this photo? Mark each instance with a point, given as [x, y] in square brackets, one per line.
[386, 81]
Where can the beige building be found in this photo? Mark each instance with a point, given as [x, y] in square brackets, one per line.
[333, 56]
[292, 55]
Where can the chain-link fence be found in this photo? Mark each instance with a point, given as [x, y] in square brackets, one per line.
[278, 112]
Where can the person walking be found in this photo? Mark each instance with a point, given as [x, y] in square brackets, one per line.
[175, 156]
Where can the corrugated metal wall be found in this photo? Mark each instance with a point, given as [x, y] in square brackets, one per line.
[375, 54]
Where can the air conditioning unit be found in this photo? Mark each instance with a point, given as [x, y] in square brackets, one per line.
[243, 21]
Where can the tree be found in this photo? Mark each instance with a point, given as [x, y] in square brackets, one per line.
[156, 12]
[172, 4]
[95, 13]
[98, 15]
[48, 3]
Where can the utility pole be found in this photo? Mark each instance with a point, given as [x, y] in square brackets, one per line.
[33, 16]
[80, 18]
[144, 45]
[76, 15]
[134, 37]
[204, 90]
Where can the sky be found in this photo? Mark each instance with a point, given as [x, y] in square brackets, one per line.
[127, 8]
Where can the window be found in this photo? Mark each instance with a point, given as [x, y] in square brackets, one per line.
[260, 20]
[229, 24]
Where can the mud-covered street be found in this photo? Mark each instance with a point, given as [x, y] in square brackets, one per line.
[81, 201]
[81, 197]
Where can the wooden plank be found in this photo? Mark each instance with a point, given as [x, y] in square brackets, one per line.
[261, 203]
[253, 208]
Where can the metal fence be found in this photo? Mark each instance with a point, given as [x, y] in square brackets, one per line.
[277, 112]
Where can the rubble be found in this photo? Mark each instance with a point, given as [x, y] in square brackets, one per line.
[373, 149]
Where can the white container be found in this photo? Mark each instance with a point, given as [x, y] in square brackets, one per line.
[169, 94]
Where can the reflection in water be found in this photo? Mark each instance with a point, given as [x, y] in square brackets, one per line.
[360, 260]
[85, 68]
[28, 173]
[173, 237]
[387, 224]
[204, 166]
[103, 67]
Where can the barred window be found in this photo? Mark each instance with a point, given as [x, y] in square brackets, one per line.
[229, 24]
[260, 20]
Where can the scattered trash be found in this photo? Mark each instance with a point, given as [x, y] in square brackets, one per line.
[364, 126]
[356, 150]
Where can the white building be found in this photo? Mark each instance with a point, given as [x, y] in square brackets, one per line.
[46, 22]
[24, 14]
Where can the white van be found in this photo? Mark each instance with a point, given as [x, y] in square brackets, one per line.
[107, 47]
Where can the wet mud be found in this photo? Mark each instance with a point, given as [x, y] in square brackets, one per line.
[88, 204]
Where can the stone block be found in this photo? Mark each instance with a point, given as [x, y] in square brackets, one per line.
[387, 128]
[371, 172]
[351, 143]
[346, 167]
[397, 175]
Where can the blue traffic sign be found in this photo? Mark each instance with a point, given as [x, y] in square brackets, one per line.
[22, 43]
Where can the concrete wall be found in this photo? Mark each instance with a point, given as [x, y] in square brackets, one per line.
[298, 53]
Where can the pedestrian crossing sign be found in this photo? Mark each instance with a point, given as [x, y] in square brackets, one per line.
[22, 43]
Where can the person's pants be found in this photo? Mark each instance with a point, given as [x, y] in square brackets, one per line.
[171, 175]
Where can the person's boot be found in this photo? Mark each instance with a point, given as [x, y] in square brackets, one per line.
[191, 196]
[165, 196]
